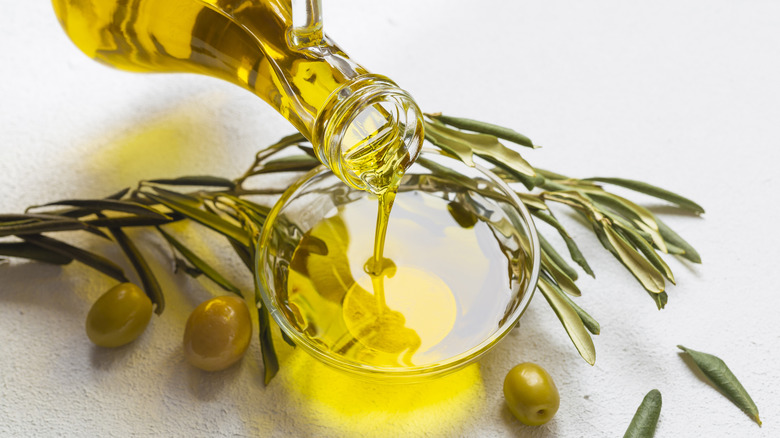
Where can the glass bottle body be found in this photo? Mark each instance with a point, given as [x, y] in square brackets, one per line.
[363, 127]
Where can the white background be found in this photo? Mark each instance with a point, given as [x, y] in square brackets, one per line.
[684, 94]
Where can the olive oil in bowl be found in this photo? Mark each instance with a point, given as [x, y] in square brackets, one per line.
[456, 271]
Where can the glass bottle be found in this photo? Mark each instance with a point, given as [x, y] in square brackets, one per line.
[363, 126]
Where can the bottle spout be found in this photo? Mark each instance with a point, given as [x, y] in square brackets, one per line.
[369, 133]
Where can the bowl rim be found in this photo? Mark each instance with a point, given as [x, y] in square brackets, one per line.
[447, 366]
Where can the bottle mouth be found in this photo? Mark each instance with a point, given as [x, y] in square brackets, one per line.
[368, 133]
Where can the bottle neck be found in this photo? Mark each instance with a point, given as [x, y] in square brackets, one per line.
[368, 133]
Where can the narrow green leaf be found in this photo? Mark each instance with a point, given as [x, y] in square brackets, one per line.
[92, 260]
[244, 253]
[660, 299]
[650, 278]
[590, 323]
[563, 280]
[295, 163]
[285, 142]
[643, 219]
[9, 219]
[41, 227]
[571, 322]
[549, 174]
[270, 361]
[132, 221]
[648, 189]
[181, 264]
[260, 211]
[456, 147]
[674, 250]
[646, 418]
[196, 180]
[485, 128]
[464, 145]
[183, 198]
[670, 236]
[200, 264]
[28, 250]
[556, 258]
[308, 150]
[532, 201]
[287, 339]
[149, 281]
[722, 378]
[576, 255]
[98, 205]
[118, 195]
[210, 220]
[634, 238]
[574, 250]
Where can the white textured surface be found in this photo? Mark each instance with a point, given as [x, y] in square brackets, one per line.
[683, 94]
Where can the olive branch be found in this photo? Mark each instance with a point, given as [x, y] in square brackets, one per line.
[236, 209]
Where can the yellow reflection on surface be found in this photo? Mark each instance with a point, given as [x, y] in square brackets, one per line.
[346, 405]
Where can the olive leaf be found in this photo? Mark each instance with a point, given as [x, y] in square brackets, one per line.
[532, 201]
[99, 205]
[90, 259]
[31, 251]
[571, 321]
[197, 180]
[722, 378]
[295, 163]
[464, 145]
[287, 339]
[484, 128]
[41, 227]
[648, 251]
[643, 219]
[9, 219]
[652, 190]
[283, 143]
[590, 323]
[556, 258]
[270, 361]
[191, 200]
[560, 277]
[660, 299]
[132, 221]
[260, 211]
[549, 175]
[574, 250]
[149, 281]
[243, 252]
[207, 219]
[678, 242]
[119, 194]
[200, 264]
[650, 278]
[646, 418]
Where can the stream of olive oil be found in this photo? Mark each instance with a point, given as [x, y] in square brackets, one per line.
[441, 288]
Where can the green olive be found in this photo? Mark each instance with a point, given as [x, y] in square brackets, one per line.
[531, 394]
[217, 333]
[119, 316]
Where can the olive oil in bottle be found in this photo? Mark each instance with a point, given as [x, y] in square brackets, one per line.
[363, 127]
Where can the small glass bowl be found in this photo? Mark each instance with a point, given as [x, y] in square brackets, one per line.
[470, 194]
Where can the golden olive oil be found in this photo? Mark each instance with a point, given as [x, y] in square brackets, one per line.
[364, 128]
[240, 41]
[442, 288]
